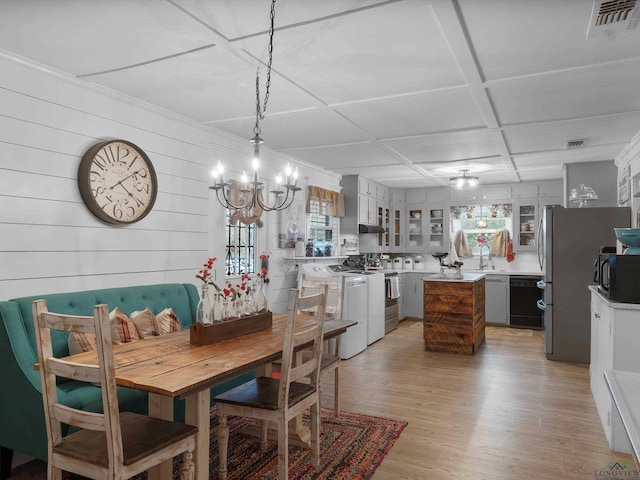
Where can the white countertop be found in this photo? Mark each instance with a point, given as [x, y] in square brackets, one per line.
[466, 277]
[612, 304]
[464, 271]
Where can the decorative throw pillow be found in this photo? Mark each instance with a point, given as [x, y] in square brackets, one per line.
[123, 329]
[167, 322]
[81, 342]
[145, 323]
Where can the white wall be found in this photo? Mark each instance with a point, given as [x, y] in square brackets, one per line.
[50, 242]
[629, 162]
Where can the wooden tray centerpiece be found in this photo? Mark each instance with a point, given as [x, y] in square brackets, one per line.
[200, 334]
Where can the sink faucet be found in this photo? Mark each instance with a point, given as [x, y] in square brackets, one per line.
[483, 265]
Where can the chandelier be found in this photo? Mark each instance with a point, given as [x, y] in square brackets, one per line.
[464, 181]
[249, 194]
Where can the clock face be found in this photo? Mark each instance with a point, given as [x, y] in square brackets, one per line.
[117, 182]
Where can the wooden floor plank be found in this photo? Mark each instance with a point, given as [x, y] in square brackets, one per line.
[506, 412]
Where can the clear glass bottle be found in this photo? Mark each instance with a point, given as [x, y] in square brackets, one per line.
[203, 310]
[261, 305]
[217, 313]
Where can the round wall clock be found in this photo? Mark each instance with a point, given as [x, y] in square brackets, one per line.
[117, 182]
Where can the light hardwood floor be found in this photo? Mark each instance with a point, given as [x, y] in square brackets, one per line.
[505, 413]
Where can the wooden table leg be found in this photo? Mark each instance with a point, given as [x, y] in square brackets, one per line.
[161, 406]
[197, 413]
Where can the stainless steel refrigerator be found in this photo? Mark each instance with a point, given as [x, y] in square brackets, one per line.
[568, 243]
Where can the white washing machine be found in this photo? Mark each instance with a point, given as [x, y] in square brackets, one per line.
[354, 304]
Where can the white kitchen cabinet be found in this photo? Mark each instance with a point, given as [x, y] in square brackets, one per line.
[415, 228]
[397, 197]
[367, 210]
[525, 225]
[366, 187]
[525, 191]
[412, 295]
[496, 299]
[438, 195]
[382, 193]
[615, 328]
[384, 220]
[438, 228]
[360, 208]
[397, 228]
[418, 197]
[550, 189]
[502, 192]
[466, 195]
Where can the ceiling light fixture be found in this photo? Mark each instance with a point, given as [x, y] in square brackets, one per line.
[464, 181]
[250, 192]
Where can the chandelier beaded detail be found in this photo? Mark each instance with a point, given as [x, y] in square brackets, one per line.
[251, 192]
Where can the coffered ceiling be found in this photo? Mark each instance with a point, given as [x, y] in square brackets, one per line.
[405, 92]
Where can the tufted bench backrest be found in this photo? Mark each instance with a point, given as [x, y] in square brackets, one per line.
[183, 298]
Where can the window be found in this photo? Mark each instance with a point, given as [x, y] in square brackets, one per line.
[240, 248]
[481, 221]
[322, 228]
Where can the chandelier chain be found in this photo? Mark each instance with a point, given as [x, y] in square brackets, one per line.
[261, 109]
[246, 196]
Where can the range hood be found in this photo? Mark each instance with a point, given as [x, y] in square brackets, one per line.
[370, 228]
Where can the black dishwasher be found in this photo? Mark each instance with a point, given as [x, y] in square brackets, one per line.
[523, 296]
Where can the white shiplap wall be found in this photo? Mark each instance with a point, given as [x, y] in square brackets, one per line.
[49, 242]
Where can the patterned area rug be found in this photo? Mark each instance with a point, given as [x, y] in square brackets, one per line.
[352, 447]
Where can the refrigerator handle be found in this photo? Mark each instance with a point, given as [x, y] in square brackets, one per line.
[541, 285]
[539, 243]
[541, 305]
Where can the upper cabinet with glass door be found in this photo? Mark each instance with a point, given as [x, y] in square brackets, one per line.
[438, 229]
[526, 213]
[384, 221]
[416, 223]
[415, 227]
[397, 220]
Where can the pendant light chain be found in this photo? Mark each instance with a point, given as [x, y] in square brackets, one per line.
[261, 110]
[252, 201]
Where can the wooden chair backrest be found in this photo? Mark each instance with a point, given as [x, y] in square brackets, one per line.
[309, 286]
[102, 374]
[296, 367]
[334, 303]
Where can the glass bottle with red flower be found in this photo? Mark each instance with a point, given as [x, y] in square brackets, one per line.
[205, 307]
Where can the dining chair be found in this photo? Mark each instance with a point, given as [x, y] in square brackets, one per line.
[108, 445]
[331, 351]
[279, 400]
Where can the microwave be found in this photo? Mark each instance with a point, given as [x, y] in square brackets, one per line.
[618, 277]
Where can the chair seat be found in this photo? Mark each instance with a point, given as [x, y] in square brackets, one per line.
[262, 392]
[141, 436]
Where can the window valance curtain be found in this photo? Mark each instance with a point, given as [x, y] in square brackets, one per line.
[334, 201]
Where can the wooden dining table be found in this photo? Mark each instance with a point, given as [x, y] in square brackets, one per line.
[170, 367]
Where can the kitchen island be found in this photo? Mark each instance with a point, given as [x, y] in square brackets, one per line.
[454, 318]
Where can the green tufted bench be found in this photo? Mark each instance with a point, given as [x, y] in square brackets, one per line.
[22, 426]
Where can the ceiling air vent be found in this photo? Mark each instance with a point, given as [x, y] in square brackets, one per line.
[609, 17]
[572, 144]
